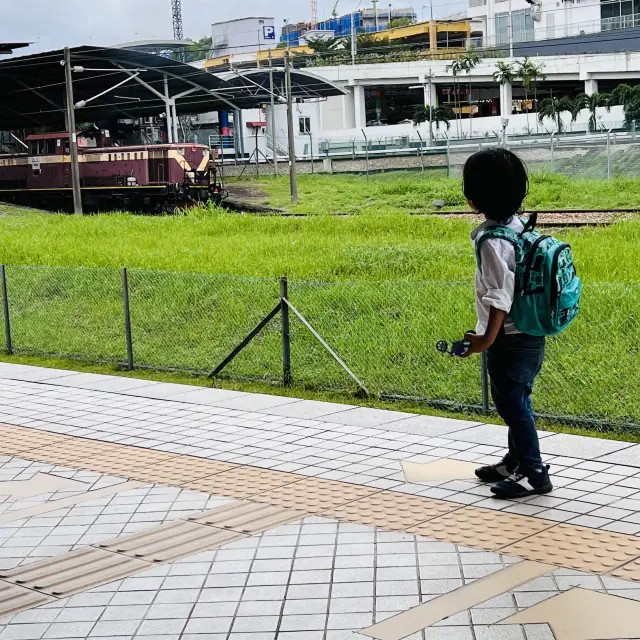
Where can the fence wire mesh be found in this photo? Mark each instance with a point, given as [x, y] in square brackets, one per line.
[384, 331]
[66, 311]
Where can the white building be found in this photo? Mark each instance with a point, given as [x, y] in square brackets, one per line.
[548, 19]
[245, 35]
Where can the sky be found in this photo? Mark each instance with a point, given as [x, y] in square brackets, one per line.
[52, 24]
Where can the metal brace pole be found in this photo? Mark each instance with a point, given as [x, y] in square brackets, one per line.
[286, 335]
[261, 325]
[127, 318]
[335, 356]
[5, 308]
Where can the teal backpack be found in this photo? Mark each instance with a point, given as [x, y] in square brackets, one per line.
[547, 291]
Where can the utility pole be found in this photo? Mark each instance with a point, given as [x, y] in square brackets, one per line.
[274, 138]
[354, 39]
[73, 142]
[293, 179]
[375, 8]
[510, 31]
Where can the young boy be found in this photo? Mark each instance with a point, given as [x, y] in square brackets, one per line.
[495, 185]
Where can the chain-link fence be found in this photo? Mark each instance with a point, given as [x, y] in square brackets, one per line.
[382, 334]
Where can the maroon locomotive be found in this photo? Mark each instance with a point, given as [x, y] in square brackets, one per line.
[147, 178]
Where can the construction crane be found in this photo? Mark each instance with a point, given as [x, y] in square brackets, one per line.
[313, 6]
[176, 9]
[334, 13]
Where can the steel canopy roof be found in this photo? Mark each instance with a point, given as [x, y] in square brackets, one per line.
[32, 90]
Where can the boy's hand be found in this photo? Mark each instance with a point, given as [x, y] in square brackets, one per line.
[479, 343]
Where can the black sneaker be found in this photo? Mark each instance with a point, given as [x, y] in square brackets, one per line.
[495, 472]
[520, 485]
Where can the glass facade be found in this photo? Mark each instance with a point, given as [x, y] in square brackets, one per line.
[522, 26]
[619, 14]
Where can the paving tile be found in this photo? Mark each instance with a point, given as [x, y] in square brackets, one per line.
[480, 528]
[629, 456]
[563, 444]
[578, 548]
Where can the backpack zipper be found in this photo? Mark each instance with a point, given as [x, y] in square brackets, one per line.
[554, 277]
[529, 265]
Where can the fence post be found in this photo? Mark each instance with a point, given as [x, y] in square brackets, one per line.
[609, 154]
[552, 152]
[286, 338]
[485, 382]
[127, 319]
[5, 309]
[448, 159]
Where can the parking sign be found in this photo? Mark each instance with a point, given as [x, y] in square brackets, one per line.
[269, 33]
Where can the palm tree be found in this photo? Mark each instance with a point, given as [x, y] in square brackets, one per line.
[524, 69]
[432, 115]
[629, 98]
[324, 47]
[553, 108]
[470, 61]
[593, 103]
[504, 74]
[456, 68]
[536, 75]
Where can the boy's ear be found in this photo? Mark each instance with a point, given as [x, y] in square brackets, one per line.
[473, 206]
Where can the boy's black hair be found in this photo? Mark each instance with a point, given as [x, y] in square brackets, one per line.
[496, 181]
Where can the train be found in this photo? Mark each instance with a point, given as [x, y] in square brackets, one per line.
[139, 178]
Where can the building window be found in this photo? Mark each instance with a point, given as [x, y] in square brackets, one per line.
[305, 125]
[619, 14]
[477, 3]
[522, 27]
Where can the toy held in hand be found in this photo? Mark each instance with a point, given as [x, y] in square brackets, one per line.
[458, 348]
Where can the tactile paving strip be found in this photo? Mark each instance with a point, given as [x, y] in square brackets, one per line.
[389, 510]
[629, 571]
[578, 548]
[17, 440]
[171, 542]
[180, 470]
[14, 599]
[314, 495]
[74, 572]
[481, 528]
[247, 517]
[242, 482]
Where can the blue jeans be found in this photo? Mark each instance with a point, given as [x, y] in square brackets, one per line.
[514, 361]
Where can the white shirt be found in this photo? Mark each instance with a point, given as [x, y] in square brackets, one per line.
[495, 283]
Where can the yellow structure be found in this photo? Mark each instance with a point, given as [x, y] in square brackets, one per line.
[441, 35]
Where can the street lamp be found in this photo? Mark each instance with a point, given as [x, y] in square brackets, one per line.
[430, 7]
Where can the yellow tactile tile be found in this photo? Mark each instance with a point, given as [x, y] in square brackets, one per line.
[481, 528]
[16, 440]
[629, 571]
[578, 548]
[242, 482]
[390, 510]
[314, 495]
[180, 470]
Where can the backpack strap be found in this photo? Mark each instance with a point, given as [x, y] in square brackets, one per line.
[499, 233]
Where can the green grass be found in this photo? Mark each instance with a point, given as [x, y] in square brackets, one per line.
[380, 286]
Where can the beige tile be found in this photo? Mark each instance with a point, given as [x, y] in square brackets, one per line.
[14, 599]
[247, 517]
[481, 528]
[429, 613]
[578, 548]
[390, 510]
[170, 542]
[39, 484]
[580, 614]
[443, 470]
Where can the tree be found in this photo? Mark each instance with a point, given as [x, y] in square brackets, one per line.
[198, 50]
[504, 73]
[456, 68]
[524, 69]
[629, 98]
[325, 47]
[470, 61]
[432, 115]
[553, 108]
[400, 22]
[536, 75]
[592, 103]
